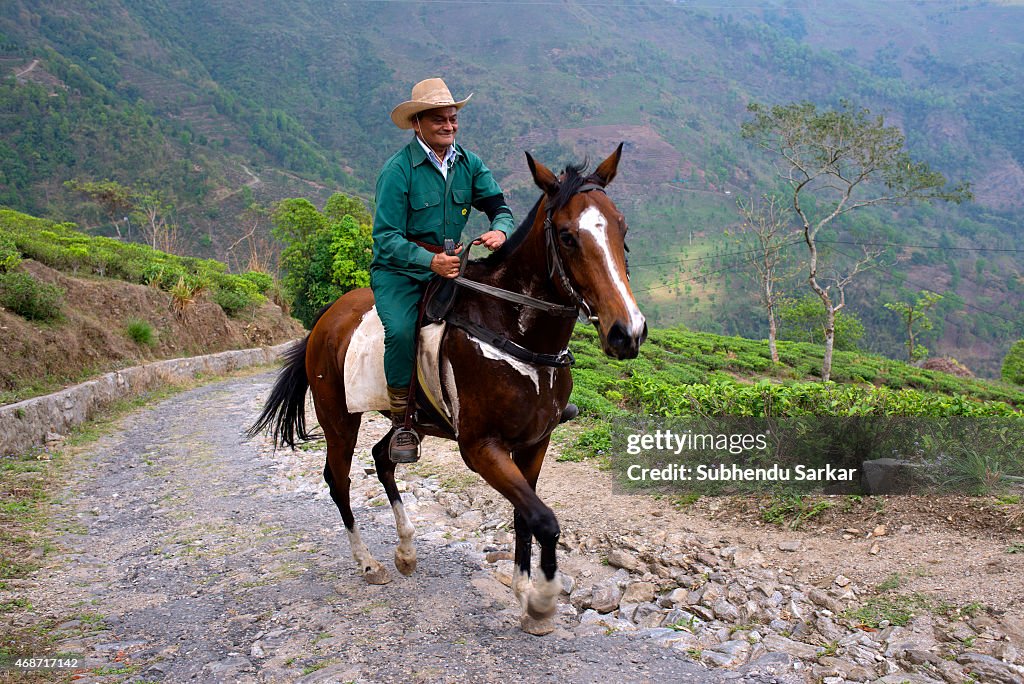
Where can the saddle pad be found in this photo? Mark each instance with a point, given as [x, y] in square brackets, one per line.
[366, 388]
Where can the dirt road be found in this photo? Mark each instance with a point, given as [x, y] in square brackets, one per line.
[186, 553]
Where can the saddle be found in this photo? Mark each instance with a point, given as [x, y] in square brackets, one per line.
[365, 383]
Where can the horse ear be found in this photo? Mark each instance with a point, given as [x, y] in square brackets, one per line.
[606, 171]
[542, 176]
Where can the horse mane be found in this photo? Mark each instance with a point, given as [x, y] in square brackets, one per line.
[571, 181]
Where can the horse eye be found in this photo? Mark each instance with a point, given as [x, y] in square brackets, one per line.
[567, 239]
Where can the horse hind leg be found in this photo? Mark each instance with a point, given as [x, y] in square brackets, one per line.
[340, 445]
[405, 552]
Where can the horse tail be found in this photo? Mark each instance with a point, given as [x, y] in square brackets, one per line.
[285, 409]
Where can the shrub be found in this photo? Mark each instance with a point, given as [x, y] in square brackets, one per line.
[140, 331]
[183, 296]
[235, 293]
[263, 281]
[26, 296]
[10, 256]
[162, 275]
[232, 301]
[1013, 364]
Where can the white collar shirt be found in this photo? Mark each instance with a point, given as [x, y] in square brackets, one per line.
[441, 165]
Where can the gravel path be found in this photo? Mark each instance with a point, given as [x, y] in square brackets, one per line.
[191, 554]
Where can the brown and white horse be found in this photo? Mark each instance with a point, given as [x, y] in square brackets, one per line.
[506, 387]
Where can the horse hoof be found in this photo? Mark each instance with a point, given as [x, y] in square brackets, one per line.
[377, 576]
[406, 566]
[537, 627]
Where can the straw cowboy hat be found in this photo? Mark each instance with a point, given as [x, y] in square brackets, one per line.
[429, 94]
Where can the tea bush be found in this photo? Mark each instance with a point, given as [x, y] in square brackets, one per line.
[1013, 364]
[60, 246]
[27, 297]
[10, 257]
[679, 372]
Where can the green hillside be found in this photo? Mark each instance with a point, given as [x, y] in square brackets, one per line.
[220, 104]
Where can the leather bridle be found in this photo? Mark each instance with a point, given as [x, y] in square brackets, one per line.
[557, 273]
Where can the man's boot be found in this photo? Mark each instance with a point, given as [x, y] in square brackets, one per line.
[404, 446]
[568, 413]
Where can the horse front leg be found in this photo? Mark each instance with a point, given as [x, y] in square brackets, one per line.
[516, 480]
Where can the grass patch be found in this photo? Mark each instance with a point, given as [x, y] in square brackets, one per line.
[140, 332]
[685, 624]
[793, 511]
[898, 609]
[459, 482]
[892, 582]
[594, 442]
[685, 500]
[310, 669]
[19, 603]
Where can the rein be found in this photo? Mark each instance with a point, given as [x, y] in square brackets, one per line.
[556, 269]
[507, 295]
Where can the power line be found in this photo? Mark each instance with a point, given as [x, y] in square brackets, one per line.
[888, 275]
[900, 244]
[891, 276]
[711, 256]
[830, 242]
[681, 5]
[731, 267]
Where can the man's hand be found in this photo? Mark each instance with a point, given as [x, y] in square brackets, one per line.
[492, 239]
[446, 266]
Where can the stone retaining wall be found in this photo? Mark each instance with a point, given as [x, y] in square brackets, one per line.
[28, 423]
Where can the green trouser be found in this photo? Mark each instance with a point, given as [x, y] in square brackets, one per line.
[397, 298]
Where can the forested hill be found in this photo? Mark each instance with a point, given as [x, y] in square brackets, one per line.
[216, 104]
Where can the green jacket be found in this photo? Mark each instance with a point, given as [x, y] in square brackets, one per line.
[414, 202]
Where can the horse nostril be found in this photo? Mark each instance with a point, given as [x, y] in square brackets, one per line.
[643, 335]
[622, 343]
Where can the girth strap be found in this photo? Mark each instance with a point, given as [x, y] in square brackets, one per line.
[497, 340]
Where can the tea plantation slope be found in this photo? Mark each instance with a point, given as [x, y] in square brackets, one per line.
[680, 372]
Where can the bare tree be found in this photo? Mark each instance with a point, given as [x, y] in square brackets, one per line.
[260, 252]
[840, 160]
[153, 213]
[765, 222]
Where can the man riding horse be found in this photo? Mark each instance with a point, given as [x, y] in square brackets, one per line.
[424, 195]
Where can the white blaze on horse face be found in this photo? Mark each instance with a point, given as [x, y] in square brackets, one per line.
[523, 369]
[593, 223]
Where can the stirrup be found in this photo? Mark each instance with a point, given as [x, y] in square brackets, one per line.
[404, 446]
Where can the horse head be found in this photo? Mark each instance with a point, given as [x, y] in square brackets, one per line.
[586, 242]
